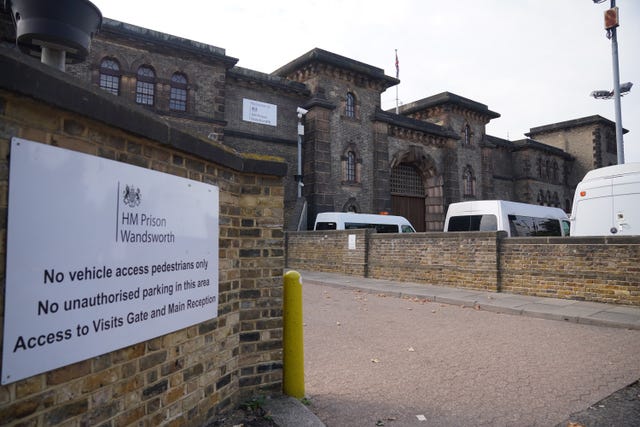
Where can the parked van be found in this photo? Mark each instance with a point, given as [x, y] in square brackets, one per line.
[607, 202]
[517, 219]
[352, 221]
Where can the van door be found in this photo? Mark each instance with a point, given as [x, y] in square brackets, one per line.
[625, 207]
[592, 216]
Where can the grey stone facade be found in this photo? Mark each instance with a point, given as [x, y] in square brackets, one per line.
[355, 156]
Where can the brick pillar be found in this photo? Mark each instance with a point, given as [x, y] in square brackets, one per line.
[382, 169]
[261, 265]
[317, 162]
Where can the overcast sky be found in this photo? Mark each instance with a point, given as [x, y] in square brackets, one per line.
[534, 62]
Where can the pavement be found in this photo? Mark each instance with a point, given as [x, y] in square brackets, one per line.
[287, 411]
[620, 408]
[584, 312]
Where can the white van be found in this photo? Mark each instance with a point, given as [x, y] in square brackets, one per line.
[607, 202]
[517, 219]
[351, 221]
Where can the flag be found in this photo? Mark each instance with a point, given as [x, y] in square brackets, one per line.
[397, 66]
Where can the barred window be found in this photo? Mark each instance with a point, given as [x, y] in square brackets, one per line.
[350, 107]
[467, 135]
[178, 95]
[110, 76]
[469, 181]
[351, 166]
[539, 165]
[146, 86]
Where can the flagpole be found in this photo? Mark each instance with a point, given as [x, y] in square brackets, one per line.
[396, 99]
[397, 76]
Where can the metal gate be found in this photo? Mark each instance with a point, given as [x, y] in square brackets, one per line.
[408, 195]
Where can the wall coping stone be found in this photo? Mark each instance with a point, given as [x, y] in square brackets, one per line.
[155, 40]
[445, 98]
[575, 240]
[322, 56]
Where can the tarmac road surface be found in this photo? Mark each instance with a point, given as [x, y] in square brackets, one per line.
[376, 360]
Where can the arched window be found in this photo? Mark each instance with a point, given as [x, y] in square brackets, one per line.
[554, 169]
[547, 168]
[541, 199]
[539, 167]
[178, 95]
[110, 76]
[351, 166]
[467, 135]
[351, 205]
[350, 106]
[146, 85]
[469, 182]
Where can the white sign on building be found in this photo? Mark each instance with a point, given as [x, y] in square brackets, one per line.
[259, 112]
[101, 255]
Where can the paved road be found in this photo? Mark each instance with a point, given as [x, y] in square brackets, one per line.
[380, 360]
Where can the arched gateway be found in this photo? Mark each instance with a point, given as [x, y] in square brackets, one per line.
[416, 190]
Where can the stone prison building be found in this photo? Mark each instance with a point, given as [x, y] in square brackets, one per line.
[355, 156]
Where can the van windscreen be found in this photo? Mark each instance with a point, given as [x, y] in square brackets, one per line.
[473, 223]
[524, 226]
[380, 228]
[407, 229]
[325, 226]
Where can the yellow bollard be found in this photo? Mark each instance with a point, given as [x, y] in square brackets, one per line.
[293, 340]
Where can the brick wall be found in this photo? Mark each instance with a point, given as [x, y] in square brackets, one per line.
[601, 269]
[327, 251]
[463, 260]
[191, 375]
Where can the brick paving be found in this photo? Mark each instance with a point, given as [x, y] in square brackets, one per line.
[374, 359]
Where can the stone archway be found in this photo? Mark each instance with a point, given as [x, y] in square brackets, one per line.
[416, 189]
[351, 205]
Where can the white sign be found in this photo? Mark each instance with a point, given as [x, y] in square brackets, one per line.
[259, 112]
[351, 242]
[101, 255]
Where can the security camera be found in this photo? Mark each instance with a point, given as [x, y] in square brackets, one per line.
[302, 111]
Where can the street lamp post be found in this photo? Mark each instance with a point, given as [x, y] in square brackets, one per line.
[611, 24]
[301, 112]
[616, 91]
